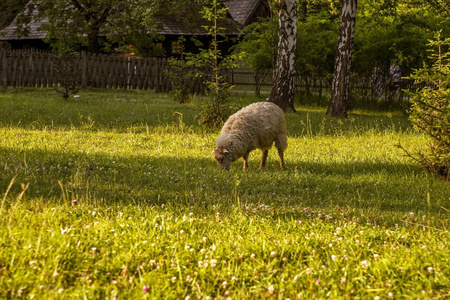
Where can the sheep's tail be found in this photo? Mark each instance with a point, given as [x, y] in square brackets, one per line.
[281, 142]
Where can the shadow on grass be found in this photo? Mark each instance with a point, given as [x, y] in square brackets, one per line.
[121, 111]
[102, 179]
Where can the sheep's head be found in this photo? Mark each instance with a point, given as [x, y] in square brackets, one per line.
[223, 157]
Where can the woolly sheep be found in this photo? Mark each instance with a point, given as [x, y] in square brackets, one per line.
[257, 125]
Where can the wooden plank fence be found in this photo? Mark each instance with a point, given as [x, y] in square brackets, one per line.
[33, 68]
[37, 69]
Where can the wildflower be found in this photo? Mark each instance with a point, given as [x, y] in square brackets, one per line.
[181, 231]
[224, 284]
[343, 280]
[430, 269]
[74, 201]
[284, 259]
[200, 263]
[188, 278]
[174, 279]
[376, 256]
[213, 263]
[204, 239]
[252, 255]
[390, 295]
[333, 257]
[308, 271]
[187, 298]
[271, 289]
[145, 288]
[318, 281]
[364, 264]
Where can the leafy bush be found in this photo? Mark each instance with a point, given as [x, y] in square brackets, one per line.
[216, 110]
[68, 74]
[183, 77]
[430, 110]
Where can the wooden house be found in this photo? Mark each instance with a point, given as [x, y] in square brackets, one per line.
[169, 28]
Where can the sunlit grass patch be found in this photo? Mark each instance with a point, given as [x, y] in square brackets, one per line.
[105, 198]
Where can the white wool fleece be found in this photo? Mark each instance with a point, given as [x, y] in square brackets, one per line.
[256, 126]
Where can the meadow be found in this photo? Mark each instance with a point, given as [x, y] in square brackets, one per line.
[116, 195]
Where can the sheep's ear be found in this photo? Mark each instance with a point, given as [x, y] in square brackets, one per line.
[226, 151]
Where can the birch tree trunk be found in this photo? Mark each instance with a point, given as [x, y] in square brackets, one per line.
[339, 99]
[283, 88]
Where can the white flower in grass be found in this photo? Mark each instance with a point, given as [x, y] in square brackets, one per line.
[174, 279]
[376, 256]
[273, 253]
[364, 264]
[430, 269]
[308, 271]
[213, 263]
[333, 257]
[252, 255]
[271, 289]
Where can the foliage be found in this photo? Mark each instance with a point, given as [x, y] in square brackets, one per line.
[430, 110]
[216, 109]
[67, 73]
[182, 74]
[122, 199]
[258, 48]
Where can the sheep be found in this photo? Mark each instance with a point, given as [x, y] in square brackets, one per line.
[257, 125]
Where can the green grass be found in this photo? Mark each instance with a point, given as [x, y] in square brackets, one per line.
[350, 217]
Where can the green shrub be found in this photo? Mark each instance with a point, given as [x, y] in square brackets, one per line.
[430, 108]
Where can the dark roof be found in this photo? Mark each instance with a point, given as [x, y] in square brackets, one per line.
[174, 25]
[33, 33]
[242, 10]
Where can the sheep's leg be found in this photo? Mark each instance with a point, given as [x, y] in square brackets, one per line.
[245, 157]
[281, 155]
[263, 159]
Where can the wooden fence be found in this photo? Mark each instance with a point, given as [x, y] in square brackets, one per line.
[32, 68]
[37, 69]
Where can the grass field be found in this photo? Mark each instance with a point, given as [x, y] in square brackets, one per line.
[116, 195]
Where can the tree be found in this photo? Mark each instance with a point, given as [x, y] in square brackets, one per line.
[95, 23]
[283, 89]
[430, 110]
[339, 98]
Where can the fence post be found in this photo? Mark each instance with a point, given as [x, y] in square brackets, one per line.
[83, 69]
[4, 73]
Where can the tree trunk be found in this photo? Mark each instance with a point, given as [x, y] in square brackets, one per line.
[283, 88]
[93, 46]
[339, 98]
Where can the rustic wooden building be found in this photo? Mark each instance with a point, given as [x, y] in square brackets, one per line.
[170, 28]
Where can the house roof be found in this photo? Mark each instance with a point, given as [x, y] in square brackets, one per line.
[242, 10]
[32, 32]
